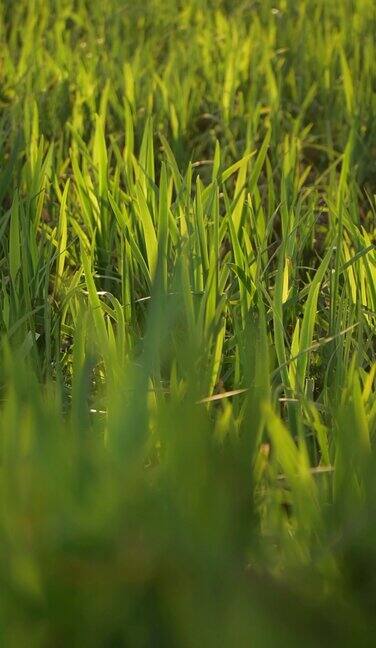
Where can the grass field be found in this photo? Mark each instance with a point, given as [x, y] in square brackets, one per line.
[187, 310]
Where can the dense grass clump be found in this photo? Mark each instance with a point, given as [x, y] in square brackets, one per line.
[187, 310]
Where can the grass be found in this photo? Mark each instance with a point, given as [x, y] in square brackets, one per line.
[188, 309]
